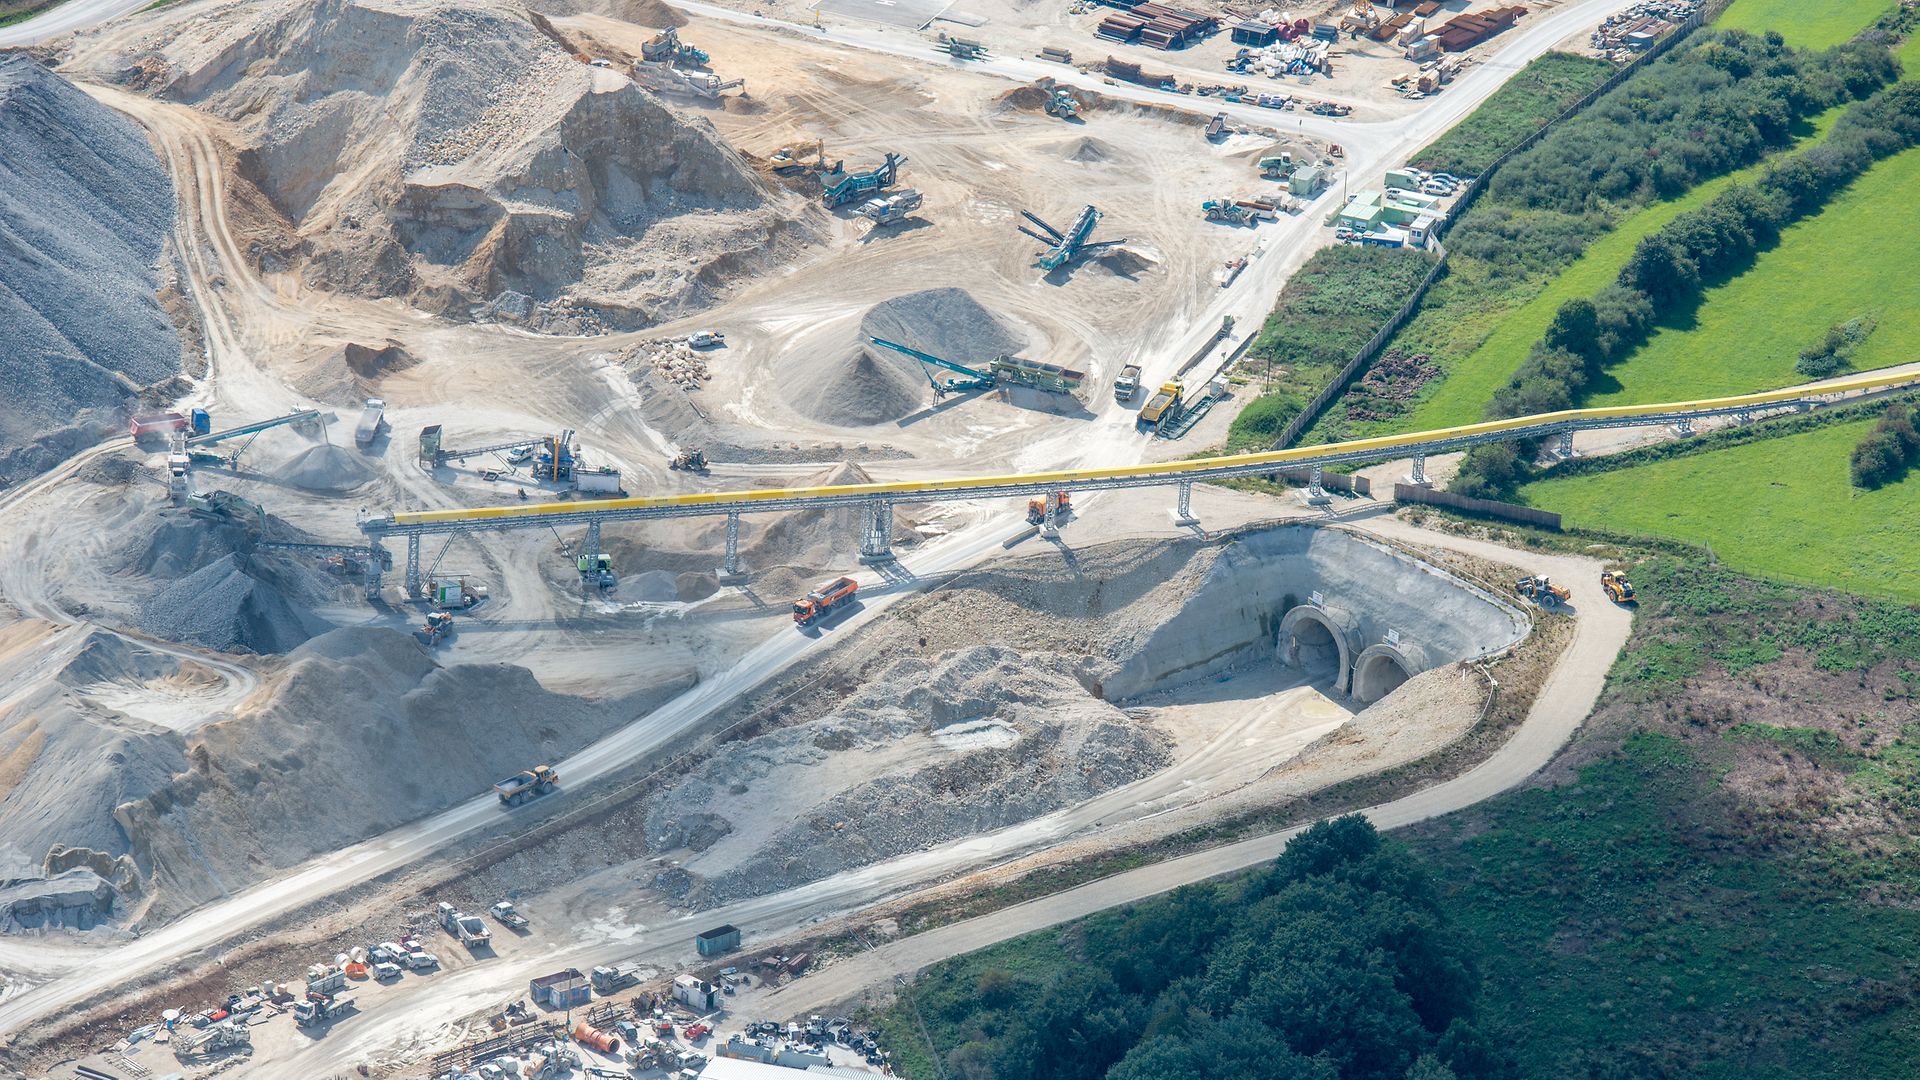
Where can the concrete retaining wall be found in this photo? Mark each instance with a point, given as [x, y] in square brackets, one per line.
[1257, 602]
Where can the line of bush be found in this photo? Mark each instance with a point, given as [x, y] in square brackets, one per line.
[1671, 270]
[1717, 103]
[1888, 450]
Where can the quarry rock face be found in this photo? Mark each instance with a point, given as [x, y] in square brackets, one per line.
[85, 210]
[417, 147]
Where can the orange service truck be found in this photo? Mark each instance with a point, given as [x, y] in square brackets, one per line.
[817, 604]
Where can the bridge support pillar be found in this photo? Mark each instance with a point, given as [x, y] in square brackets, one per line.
[1418, 477]
[1048, 525]
[1564, 449]
[1316, 489]
[413, 566]
[376, 567]
[1183, 505]
[1683, 427]
[876, 538]
[730, 566]
[1743, 417]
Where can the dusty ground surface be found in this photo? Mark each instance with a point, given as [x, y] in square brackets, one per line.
[339, 249]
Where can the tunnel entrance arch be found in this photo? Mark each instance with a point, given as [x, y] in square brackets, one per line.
[1380, 669]
[1318, 641]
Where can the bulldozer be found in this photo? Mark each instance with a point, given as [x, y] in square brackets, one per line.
[1617, 587]
[1542, 590]
[437, 628]
[689, 461]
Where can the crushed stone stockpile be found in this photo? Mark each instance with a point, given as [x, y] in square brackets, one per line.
[361, 732]
[456, 155]
[923, 753]
[326, 468]
[864, 384]
[85, 208]
[228, 605]
[206, 584]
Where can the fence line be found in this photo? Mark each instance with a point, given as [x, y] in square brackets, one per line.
[1371, 350]
[1506, 511]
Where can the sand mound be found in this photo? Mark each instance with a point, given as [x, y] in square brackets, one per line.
[224, 606]
[859, 389]
[922, 754]
[362, 732]
[85, 208]
[867, 385]
[451, 152]
[326, 468]
[1089, 149]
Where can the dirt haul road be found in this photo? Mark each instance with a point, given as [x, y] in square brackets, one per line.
[1374, 148]
[1564, 702]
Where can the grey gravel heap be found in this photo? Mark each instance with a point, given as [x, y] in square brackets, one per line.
[85, 207]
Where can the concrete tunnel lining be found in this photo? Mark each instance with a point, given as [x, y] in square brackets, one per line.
[1307, 628]
[1369, 590]
[1380, 669]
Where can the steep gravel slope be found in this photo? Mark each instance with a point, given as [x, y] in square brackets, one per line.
[85, 208]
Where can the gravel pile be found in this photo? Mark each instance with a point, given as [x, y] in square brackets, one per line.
[454, 154]
[222, 606]
[362, 731]
[326, 468]
[85, 208]
[949, 323]
[866, 384]
[923, 753]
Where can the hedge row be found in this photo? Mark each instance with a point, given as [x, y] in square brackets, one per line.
[1669, 269]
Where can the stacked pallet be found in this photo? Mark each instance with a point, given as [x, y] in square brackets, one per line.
[1466, 31]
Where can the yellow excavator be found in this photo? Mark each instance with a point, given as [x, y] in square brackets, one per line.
[1618, 588]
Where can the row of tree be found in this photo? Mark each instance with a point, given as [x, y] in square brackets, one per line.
[1719, 104]
[1670, 271]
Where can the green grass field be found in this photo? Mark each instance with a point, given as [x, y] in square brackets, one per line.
[1856, 257]
[1461, 398]
[1806, 24]
[1780, 508]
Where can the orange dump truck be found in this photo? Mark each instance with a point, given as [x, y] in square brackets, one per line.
[817, 604]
